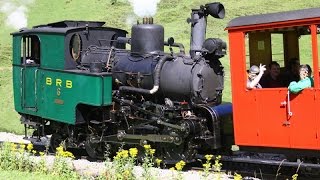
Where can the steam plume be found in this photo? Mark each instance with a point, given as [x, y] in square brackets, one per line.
[144, 8]
[15, 12]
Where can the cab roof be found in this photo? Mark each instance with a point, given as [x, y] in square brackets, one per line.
[273, 18]
[62, 27]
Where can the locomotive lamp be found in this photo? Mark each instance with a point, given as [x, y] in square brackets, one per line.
[198, 22]
[214, 9]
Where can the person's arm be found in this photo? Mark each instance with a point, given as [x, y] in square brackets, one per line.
[252, 84]
[296, 87]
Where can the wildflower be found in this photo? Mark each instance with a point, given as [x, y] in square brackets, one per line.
[147, 147]
[208, 157]
[239, 177]
[125, 153]
[34, 152]
[295, 176]
[67, 154]
[22, 146]
[179, 165]
[206, 165]
[133, 152]
[172, 169]
[13, 146]
[152, 151]
[59, 149]
[29, 147]
[158, 161]
[41, 154]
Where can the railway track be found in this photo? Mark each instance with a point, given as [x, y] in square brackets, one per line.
[246, 166]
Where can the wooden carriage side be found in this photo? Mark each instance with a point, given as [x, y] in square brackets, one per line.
[267, 117]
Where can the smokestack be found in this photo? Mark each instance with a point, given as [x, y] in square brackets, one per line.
[198, 30]
[198, 22]
[147, 20]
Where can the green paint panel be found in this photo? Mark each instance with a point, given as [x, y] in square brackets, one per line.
[25, 89]
[63, 91]
[16, 47]
[52, 50]
[55, 94]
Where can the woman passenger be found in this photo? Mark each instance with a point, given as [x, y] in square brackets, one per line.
[305, 81]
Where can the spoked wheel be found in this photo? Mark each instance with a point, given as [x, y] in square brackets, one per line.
[95, 150]
[173, 153]
[55, 141]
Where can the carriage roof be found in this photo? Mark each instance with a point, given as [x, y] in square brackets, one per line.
[278, 17]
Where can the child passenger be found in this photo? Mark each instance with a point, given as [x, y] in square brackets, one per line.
[254, 76]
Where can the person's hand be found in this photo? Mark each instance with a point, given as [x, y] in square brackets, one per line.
[262, 68]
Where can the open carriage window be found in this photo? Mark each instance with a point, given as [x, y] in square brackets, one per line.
[281, 51]
[30, 50]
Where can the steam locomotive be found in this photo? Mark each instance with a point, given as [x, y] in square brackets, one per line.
[76, 81]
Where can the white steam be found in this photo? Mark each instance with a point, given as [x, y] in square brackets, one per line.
[144, 8]
[15, 12]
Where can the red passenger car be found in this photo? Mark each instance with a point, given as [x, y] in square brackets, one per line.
[269, 117]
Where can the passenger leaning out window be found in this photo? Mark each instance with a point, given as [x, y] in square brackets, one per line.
[305, 81]
[254, 75]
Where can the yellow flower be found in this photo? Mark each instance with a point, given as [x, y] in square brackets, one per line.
[147, 147]
[172, 169]
[179, 165]
[59, 149]
[41, 153]
[34, 152]
[29, 147]
[158, 161]
[208, 157]
[237, 177]
[13, 146]
[22, 146]
[151, 151]
[125, 153]
[133, 152]
[206, 165]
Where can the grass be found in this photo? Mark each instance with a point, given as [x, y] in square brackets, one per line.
[8, 117]
[172, 14]
[15, 174]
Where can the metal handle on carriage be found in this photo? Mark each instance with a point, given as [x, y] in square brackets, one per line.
[288, 104]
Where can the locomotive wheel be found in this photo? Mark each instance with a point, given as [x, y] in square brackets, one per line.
[95, 150]
[55, 141]
[173, 153]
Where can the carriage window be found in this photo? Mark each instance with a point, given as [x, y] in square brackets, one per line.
[277, 49]
[281, 50]
[30, 50]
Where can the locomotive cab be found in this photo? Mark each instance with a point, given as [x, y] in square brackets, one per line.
[273, 117]
[45, 73]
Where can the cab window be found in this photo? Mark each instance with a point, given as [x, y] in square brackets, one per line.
[30, 50]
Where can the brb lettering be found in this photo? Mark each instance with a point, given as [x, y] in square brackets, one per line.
[59, 83]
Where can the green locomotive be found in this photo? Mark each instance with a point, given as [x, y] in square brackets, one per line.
[77, 81]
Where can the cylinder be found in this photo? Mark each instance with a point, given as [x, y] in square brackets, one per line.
[222, 110]
[147, 38]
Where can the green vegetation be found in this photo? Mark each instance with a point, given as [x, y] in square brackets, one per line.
[21, 158]
[172, 14]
